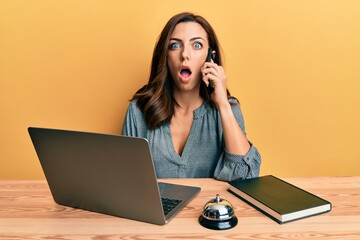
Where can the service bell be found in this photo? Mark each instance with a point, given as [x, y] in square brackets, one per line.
[218, 214]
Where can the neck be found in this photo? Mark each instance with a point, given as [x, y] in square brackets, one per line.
[188, 101]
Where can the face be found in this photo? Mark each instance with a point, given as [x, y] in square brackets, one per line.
[187, 52]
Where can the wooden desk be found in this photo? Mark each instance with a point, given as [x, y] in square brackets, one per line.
[27, 211]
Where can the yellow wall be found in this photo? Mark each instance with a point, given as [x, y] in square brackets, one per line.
[294, 65]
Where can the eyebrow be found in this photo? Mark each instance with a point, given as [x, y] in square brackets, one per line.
[192, 39]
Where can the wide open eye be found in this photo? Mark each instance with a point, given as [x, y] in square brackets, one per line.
[198, 45]
[174, 45]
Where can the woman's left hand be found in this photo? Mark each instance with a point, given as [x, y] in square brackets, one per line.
[214, 75]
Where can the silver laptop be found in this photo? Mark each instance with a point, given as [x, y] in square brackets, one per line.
[108, 174]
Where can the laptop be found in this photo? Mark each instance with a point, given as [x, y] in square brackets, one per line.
[109, 174]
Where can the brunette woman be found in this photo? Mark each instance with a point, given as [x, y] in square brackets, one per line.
[194, 127]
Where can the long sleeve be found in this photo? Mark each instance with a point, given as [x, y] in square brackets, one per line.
[232, 166]
[134, 124]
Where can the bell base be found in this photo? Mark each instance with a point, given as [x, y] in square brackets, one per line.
[218, 225]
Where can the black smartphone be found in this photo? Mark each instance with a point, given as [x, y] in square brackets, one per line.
[209, 55]
[210, 88]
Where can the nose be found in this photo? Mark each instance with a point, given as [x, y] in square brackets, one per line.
[185, 53]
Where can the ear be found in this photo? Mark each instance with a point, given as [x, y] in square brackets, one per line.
[213, 54]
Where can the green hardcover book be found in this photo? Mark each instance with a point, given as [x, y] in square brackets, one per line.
[278, 199]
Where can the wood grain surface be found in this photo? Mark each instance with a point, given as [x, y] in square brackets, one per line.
[27, 211]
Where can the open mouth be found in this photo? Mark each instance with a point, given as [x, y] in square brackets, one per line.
[185, 72]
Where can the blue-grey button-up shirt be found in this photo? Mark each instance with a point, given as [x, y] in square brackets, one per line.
[204, 154]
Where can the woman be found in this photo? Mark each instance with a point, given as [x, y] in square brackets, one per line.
[193, 125]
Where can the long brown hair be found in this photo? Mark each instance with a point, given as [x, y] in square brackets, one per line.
[155, 99]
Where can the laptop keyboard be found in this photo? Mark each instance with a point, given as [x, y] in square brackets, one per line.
[169, 204]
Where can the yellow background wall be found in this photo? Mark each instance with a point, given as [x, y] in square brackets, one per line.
[294, 65]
